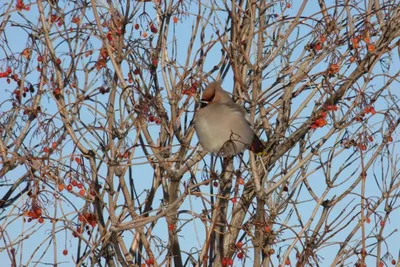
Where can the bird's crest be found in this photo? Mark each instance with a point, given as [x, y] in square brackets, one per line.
[209, 93]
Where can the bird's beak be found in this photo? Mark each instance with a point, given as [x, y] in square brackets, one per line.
[203, 103]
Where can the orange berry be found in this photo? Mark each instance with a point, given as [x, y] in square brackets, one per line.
[175, 19]
[82, 192]
[41, 220]
[287, 262]
[239, 244]
[38, 212]
[355, 42]
[318, 46]
[144, 34]
[333, 68]
[367, 220]
[171, 227]
[371, 47]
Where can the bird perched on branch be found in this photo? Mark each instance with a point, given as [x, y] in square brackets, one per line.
[221, 124]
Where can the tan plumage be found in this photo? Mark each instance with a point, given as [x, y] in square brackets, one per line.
[221, 125]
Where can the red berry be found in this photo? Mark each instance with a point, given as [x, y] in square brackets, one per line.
[171, 227]
[363, 147]
[240, 255]
[153, 28]
[69, 187]
[149, 261]
[224, 261]
[239, 244]
[57, 91]
[393, 261]
[65, 252]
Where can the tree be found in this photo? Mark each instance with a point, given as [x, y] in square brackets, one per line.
[99, 160]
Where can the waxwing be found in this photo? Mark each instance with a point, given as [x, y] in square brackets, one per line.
[221, 125]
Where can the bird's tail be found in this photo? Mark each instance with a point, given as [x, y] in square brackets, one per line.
[257, 146]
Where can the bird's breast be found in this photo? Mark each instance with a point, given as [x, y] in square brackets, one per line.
[218, 124]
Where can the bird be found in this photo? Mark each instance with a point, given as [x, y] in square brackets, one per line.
[222, 126]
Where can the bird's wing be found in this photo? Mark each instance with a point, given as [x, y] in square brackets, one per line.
[239, 110]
